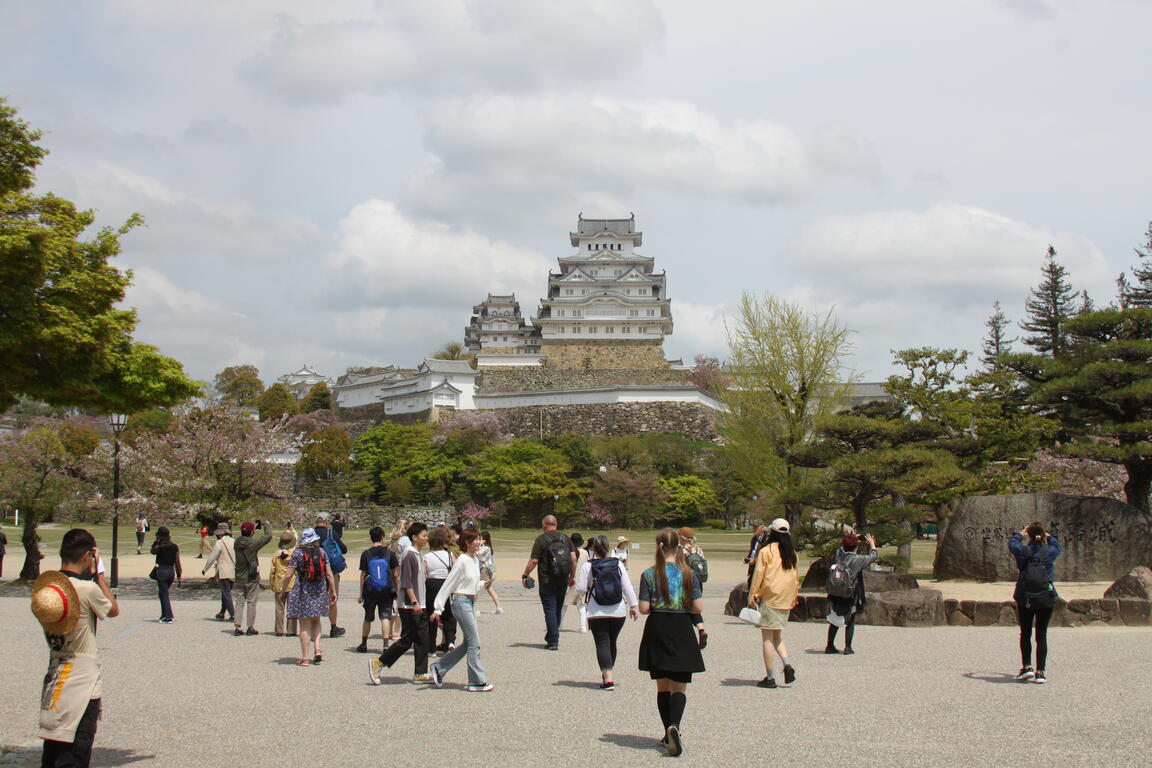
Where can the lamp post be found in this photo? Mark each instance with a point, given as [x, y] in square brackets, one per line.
[117, 421]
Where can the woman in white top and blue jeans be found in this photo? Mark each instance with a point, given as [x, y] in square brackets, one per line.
[605, 621]
[460, 587]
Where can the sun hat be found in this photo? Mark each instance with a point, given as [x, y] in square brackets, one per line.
[223, 528]
[308, 536]
[247, 527]
[286, 540]
[622, 539]
[780, 525]
[55, 603]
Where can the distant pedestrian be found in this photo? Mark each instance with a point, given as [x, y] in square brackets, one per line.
[669, 650]
[3, 546]
[1035, 551]
[759, 538]
[842, 609]
[413, 618]
[168, 568]
[620, 552]
[577, 599]
[437, 565]
[602, 585]
[553, 552]
[280, 582]
[141, 529]
[223, 556]
[336, 565]
[487, 558]
[398, 542]
[694, 556]
[379, 569]
[459, 589]
[775, 586]
[338, 525]
[311, 593]
[247, 551]
[203, 541]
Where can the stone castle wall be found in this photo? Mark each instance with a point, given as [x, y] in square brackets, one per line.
[580, 354]
[537, 379]
[691, 419]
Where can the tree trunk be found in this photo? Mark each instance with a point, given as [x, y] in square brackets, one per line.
[904, 551]
[793, 513]
[31, 543]
[1139, 483]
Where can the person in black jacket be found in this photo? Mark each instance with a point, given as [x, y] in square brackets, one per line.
[323, 532]
[1034, 602]
[168, 569]
[759, 538]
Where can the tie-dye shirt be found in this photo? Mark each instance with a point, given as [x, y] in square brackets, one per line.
[678, 598]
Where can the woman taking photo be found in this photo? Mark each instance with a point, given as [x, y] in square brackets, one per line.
[1035, 551]
[167, 568]
[775, 584]
[459, 590]
[669, 651]
[311, 592]
[605, 578]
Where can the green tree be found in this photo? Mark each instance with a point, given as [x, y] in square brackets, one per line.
[787, 371]
[324, 454]
[996, 343]
[1048, 308]
[1139, 294]
[389, 451]
[633, 499]
[276, 402]
[452, 350]
[527, 476]
[319, 398]
[239, 385]
[690, 499]
[62, 338]
[152, 421]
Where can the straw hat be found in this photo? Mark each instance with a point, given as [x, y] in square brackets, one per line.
[622, 539]
[55, 603]
[286, 540]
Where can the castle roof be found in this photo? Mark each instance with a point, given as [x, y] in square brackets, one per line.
[620, 227]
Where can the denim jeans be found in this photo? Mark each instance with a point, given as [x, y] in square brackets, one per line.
[164, 578]
[552, 598]
[464, 607]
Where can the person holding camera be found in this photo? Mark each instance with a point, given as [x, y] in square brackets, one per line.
[1035, 551]
[248, 572]
[845, 601]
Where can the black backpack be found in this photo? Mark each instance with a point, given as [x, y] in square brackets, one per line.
[1034, 580]
[607, 589]
[557, 560]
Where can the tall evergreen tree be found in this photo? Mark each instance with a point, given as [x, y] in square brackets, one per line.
[1139, 294]
[996, 343]
[1049, 307]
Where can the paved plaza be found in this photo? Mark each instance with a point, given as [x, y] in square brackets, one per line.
[191, 694]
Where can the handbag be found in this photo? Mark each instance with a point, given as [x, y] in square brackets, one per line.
[152, 573]
[749, 615]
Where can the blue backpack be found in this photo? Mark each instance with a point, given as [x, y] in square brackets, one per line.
[379, 574]
[335, 556]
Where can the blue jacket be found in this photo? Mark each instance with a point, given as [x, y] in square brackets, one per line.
[1023, 552]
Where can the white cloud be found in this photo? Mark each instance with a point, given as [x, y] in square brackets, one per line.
[502, 154]
[454, 44]
[698, 329]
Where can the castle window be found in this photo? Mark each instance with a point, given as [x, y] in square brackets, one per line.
[563, 329]
[567, 291]
[628, 291]
[633, 313]
[618, 272]
[577, 313]
[626, 329]
[583, 291]
[610, 329]
[651, 313]
[591, 329]
[589, 246]
[642, 291]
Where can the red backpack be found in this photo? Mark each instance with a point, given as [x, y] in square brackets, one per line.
[311, 564]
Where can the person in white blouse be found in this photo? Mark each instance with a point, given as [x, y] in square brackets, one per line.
[460, 588]
[605, 578]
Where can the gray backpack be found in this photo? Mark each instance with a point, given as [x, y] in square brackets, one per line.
[841, 580]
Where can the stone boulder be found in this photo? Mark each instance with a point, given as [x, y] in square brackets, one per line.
[911, 608]
[1136, 583]
[1103, 539]
[874, 581]
[737, 599]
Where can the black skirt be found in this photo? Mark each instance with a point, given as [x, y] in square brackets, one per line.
[669, 644]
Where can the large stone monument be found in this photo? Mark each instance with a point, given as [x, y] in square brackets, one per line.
[1103, 539]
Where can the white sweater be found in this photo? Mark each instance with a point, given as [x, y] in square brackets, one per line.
[464, 578]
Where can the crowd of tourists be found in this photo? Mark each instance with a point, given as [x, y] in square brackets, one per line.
[422, 585]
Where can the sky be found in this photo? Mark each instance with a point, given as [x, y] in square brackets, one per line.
[337, 184]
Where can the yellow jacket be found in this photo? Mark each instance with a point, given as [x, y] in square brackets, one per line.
[280, 570]
[772, 582]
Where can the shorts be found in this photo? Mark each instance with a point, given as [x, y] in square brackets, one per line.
[377, 603]
[773, 618]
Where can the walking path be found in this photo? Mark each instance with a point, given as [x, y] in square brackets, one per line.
[190, 693]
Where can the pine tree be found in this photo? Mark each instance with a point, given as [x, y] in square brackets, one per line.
[1139, 295]
[996, 342]
[1123, 291]
[1050, 306]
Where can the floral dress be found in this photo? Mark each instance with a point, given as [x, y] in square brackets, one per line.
[307, 599]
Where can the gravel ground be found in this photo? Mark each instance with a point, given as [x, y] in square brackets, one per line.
[190, 694]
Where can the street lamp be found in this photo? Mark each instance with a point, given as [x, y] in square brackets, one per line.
[117, 421]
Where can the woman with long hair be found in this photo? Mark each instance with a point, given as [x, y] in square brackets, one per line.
[669, 651]
[438, 561]
[774, 588]
[459, 590]
[605, 578]
[488, 568]
[398, 542]
[1035, 551]
[167, 569]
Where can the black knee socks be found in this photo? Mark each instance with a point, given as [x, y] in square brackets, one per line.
[676, 705]
[832, 630]
[663, 704]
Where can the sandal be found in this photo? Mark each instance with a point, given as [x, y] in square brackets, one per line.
[317, 659]
[302, 662]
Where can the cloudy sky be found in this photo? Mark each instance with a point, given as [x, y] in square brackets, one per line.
[338, 183]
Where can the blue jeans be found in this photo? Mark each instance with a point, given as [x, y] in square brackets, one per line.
[164, 579]
[552, 598]
[464, 608]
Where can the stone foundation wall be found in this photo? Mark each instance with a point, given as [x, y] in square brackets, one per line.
[578, 354]
[358, 420]
[690, 419]
[538, 379]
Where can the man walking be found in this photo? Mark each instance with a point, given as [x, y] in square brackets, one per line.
[378, 571]
[223, 555]
[413, 618]
[68, 603]
[337, 566]
[554, 553]
[3, 546]
[248, 572]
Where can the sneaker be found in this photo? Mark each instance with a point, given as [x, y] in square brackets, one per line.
[237, 632]
[363, 647]
[375, 668]
[1040, 677]
[552, 647]
[437, 676]
[848, 650]
[607, 686]
[674, 745]
[421, 679]
[165, 621]
[481, 688]
[768, 682]
[220, 616]
[789, 674]
[336, 632]
[252, 631]
[1025, 674]
[831, 649]
[498, 610]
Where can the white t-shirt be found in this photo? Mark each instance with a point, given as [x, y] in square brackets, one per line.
[438, 563]
[82, 639]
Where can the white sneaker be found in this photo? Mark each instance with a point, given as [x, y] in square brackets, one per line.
[482, 688]
[498, 610]
[1025, 673]
[437, 675]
